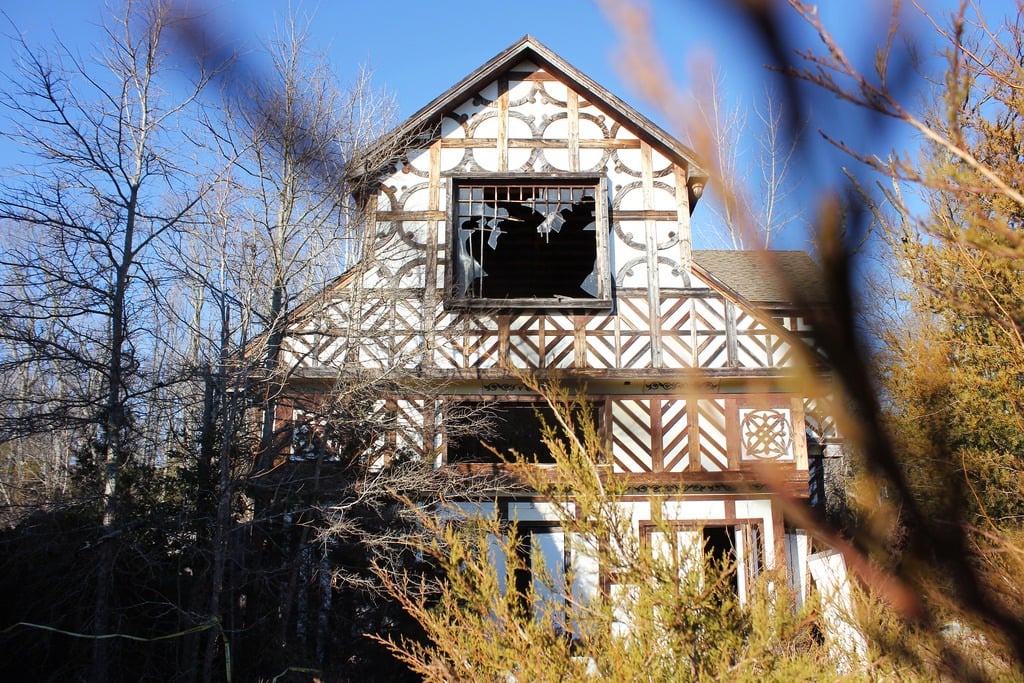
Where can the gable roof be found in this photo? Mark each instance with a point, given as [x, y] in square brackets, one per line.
[763, 277]
[422, 125]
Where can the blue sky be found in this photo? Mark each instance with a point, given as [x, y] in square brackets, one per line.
[418, 48]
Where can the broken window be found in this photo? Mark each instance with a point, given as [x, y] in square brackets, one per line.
[542, 243]
[312, 437]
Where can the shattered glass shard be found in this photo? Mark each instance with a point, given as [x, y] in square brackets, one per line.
[552, 223]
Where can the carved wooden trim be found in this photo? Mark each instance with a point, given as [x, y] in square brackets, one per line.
[650, 238]
[683, 217]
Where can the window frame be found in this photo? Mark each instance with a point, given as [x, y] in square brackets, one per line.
[526, 577]
[749, 555]
[499, 404]
[602, 219]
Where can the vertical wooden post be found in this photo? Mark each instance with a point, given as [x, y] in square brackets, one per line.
[502, 141]
[572, 106]
[430, 279]
[653, 294]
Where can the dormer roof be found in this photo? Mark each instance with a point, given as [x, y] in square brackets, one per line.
[767, 278]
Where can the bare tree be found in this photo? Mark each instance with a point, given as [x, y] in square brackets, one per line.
[288, 136]
[750, 211]
[279, 227]
[35, 462]
[162, 304]
[107, 184]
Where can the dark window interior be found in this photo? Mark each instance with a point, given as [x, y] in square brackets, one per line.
[718, 543]
[816, 473]
[523, 576]
[529, 579]
[516, 241]
[508, 427]
[720, 549]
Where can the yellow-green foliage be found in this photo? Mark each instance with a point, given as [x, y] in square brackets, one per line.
[954, 366]
[665, 614]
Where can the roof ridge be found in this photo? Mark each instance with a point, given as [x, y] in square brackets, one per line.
[379, 154]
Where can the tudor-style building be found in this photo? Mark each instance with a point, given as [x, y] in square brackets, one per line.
[529, 219]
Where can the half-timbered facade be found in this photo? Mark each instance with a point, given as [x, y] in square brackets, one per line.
[528, 220]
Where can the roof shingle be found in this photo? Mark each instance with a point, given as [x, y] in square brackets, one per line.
[765, 277]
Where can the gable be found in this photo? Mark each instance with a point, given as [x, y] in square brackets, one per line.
[525, 60]
[530, 219]
[524, 120]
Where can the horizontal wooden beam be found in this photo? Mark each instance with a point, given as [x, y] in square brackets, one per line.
[795, 482]
[535, 143]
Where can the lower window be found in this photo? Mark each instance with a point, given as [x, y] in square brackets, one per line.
[736, 548]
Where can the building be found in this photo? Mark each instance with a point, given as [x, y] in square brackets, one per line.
[529, 220]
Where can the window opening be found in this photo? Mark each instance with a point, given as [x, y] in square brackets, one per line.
[816, 473]
[526, 241]
[508, 427]
[737, 549]
[721, 552]
[542, 560]
[313, 437]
